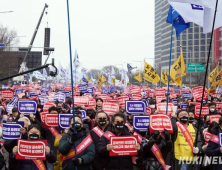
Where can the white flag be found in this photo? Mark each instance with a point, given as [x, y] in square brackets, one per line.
[44, 73]
[76, 60]
[113, 74]
[62, 71]
[200, 15]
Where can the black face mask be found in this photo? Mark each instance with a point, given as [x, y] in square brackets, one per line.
[119, 126]
[59, 110]
[34, 136]
[184, 119]
[191, 119]
[102, 122]
[78, 126]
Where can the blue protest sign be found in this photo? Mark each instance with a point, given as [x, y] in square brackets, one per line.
[141, 123]
[146, 101]
[186, 95]
[135, 107]
[183, 106]
[61, 90]
[174, 101]
[67, 94]
[90, 90]
[44, 89]
[83, 88]
[176, 89]
[27, 106]
[18, 91]
[11, 130]
[64, 120]
[60, 97]
[83, 114]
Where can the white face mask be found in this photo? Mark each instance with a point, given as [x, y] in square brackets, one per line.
[212, 109]
[152, 106]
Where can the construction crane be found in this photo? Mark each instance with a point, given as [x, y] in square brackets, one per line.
[23, 65]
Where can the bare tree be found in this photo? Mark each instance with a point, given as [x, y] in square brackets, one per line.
[197, 78]
[9, 38]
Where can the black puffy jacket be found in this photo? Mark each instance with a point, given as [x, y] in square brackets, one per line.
[115, 162]
[150, 162]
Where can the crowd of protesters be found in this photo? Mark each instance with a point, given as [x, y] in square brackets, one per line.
[187, 142]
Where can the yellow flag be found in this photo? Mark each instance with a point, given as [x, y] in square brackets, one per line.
[178, 82]
[149, 74]
[213, 74]
[138, 77]
[177, 70]
[163, 78]
[88, 79]
[103, 78]
[99, 77]
[113, 81]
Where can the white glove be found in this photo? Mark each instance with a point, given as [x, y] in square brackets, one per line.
[195, 150]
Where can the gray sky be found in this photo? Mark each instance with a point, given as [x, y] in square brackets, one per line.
[104, 32]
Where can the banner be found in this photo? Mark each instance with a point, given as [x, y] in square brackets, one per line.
[47, 106]
[11, 130]
[18, 91]
[123, 145]
[110, 108]
[90, 90]
[60, 97]
[81, 100]
[183, 106]
[186, 95]
[160, 92]
[215, 118]
[205, 111]
[7, 94]
[148, 110]
[161, 107]
[83, 88]
[135, 107]
[67, 94]
[174, 102]
[141, 123]
[218, 105]
[91, 104]
[197, 92]
[34, 150]
[160, 98]
[64, 120]
[160, 122]
[51, 120]
[27, 106]
[122, 100]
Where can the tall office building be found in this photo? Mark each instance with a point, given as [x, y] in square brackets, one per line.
[194, 43]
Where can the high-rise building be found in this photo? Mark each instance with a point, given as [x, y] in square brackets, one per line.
[194, 43]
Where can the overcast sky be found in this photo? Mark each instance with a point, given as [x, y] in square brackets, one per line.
[105, 32]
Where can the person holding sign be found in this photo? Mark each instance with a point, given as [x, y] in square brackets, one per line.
[155, 150]
[183, 140]
[27, 164]
[119, 129]
[84, 146]
[102, 123]
[212, 149]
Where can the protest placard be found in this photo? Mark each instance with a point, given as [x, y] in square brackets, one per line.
[141, 123]
[135, 107]
[11, 130]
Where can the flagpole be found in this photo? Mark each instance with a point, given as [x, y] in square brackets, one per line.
[205, 77]
[168, 83]
[70, 54]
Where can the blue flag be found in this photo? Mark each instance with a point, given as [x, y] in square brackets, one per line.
[177, 21]
[85, 80]
[129, 67]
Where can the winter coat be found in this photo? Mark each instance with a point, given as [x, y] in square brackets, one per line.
[115, 162]
[87, 155]
[26, 164]
[150, 162]
[99, 163]
[213, 149]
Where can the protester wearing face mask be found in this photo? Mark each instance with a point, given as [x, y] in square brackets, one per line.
[82, 140]
[191, 118]
[117, 128]
[163, 142]
[212, 109]
[183, 139]
[102, 123]
[33, 134]
[214, 148]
